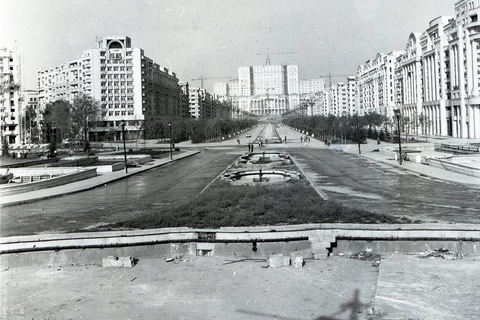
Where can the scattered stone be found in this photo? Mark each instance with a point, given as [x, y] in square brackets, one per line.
[364, 255]
[122, 262]
[297, 260]
[169, 260]
[278, 260]
[441, 253]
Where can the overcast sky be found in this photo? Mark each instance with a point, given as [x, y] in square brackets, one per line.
[213, 38]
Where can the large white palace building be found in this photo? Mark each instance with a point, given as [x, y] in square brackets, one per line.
[262, 89]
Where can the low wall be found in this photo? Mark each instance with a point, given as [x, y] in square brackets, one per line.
[140, 158]
[52, 177]
[29, 163]
[110, 168]
[393, 155]
[316, 241]
[77, 161]
[454, 167]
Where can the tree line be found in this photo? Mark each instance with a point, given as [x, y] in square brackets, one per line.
[61, 119]
[345, 129]
[199, 130]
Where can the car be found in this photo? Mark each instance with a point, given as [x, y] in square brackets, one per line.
[248, 135]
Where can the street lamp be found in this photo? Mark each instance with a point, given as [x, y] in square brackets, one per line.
[124, 146]
[397, 115]
[170, 129]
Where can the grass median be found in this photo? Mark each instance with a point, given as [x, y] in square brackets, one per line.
[223, 205]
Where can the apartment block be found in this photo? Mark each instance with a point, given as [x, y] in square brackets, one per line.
[376, 84]
[128, 85]
[10, 97]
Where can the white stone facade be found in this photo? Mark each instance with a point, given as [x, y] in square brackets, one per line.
[263, 89]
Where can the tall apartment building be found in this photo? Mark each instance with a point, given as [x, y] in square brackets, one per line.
[439, 75]
[376, 84]
[263, 89]
[339, 100]
[30, 132]
[200, 104]
[462, 68]
[10, 97]
[129, 86]
[310, 86]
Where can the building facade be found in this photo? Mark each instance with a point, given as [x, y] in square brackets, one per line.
[375, 85]
[263, 89]
[129, 86]
[10, 97]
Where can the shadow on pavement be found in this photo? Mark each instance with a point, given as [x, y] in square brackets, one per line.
[354, 306]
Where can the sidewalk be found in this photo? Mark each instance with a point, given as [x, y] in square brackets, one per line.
[87, 184]
[427, 149]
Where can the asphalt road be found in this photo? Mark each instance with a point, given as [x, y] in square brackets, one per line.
[363, 183]
[352, 180]
[160, 187]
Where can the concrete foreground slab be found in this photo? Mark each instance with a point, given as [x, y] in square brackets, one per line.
[192, 288]
[418, 287]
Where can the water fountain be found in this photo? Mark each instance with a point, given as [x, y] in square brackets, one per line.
[261, 168]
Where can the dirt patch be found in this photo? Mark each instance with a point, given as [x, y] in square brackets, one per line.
[192, 288]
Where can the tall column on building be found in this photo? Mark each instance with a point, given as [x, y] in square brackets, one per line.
[475, 67]
[417, 88]
[461, 73]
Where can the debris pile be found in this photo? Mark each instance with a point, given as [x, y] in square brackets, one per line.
[364, 255]
[441, 253]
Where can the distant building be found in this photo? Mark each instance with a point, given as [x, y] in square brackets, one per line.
[10, 97]
[263, 89]
[200, 104]
[306, 87]
[130, 87]
[375, 85]
[30, 125]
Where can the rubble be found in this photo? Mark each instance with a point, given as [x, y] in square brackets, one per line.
[122, 262]
[441, 253]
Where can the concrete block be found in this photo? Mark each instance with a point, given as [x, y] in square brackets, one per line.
[286, 261]
[275, 260]
[119, 262]
[297, 260]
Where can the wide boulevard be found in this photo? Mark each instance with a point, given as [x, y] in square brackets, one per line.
[344, 177]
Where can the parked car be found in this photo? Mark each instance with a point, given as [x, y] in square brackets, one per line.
[248, 135]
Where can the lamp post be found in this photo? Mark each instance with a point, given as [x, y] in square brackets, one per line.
[397, 115]
[170, 130]
[358, 134]
[124, 146]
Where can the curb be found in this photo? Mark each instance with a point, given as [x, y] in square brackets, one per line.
[94, 185]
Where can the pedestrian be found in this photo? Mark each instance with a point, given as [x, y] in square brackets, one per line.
[301, 139]
[285, 138]
[305, 144]
[249, 147]
[238, 141]
[252, 147]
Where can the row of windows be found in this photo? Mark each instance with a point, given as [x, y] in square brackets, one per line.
[120, 113]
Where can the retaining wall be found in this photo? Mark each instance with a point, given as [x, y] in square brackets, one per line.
[316, 241]
[454, 167]
[51, 177]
